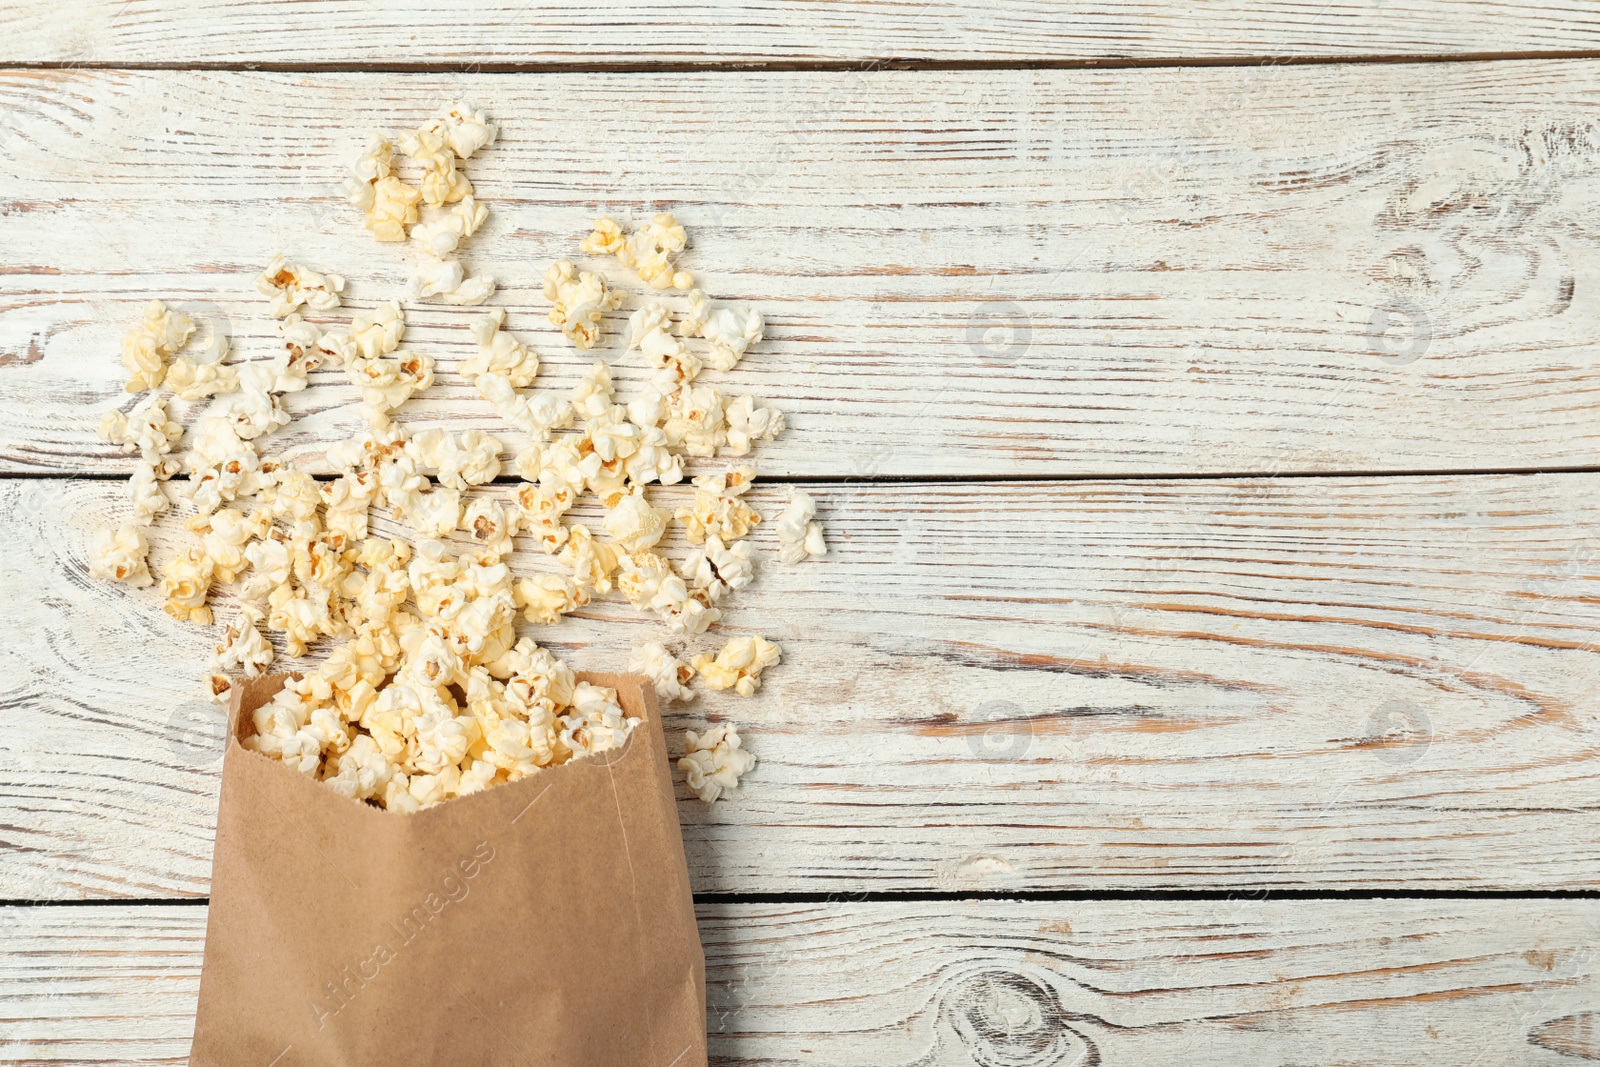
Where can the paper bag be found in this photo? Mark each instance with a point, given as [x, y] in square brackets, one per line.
[546, 921]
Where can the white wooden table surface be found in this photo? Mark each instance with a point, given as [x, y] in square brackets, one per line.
[1200, 674]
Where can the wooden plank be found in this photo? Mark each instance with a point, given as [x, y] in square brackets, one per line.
[1234, 983]
[457, 32]
[1197, 684]
[982, 273]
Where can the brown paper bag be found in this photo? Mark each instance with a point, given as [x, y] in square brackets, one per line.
[547, 921]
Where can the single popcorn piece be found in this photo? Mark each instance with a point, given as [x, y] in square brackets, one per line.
[148, 430]
[739, 665]
[447, 279]
[799, 538]
[714, 761]
[442, 183]
[669, 674]
[578, 300]
[388, 204]
[435, 514]
[147, 347]
[443, 234]
[745, 425]
[634, 524]
[120, 556]
[289, 287]
[190, 380]
[144, 489]
[468, 459]
[718, 508]
[606, 240]
[243, 648]
[544, 598]
[648, 331]
[729, 332]
[185, 581]
[464, 128]
[499, 353]
[714, 569]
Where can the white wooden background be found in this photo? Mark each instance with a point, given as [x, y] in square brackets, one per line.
[1189, 655]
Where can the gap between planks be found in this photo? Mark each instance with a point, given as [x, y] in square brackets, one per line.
[737, 67]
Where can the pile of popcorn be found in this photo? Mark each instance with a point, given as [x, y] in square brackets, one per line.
[431, 693]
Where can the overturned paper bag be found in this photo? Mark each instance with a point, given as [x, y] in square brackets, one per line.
[545, 921]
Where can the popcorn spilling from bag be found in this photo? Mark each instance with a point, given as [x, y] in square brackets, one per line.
[431, 692]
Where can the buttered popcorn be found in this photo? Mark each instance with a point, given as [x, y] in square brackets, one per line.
[429, 691]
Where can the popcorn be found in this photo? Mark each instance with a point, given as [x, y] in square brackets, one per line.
[731, 335]
[435, 514]
[197, 381]
[119, 556]
[487, 523]
[144, 489]
[429, 693]
[739, 665]
[289, 287]
[444, 233]
[185, 581]
[694, 420]
[472, 458]
[389, 204]
[147, 347]
[648, 332]
[633, 524]
[669, 674]
[148, 430]
[578, 301]
[500, 354]
[447, 279]
[650, 250]
[464, 128]
[717, 508]
[799, 538]
[745, 425]
[592, 562]
[388, 383]
[545, 598]
[714, 761]
[714, 569]
[442, 183]
[242, 647]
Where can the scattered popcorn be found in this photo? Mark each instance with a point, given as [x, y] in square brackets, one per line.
[147, 347]
[119, 556]
[739, 665]
[799, 538]
[714, 761]
[669, 674]
[289, 287]
[578, 301]
[429, 693]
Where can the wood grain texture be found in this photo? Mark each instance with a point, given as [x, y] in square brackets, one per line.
[762, 31]
[981, 273]
[1201, 684]
[1230, 983]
